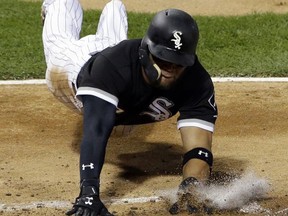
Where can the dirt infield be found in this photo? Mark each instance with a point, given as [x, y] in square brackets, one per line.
[39, 148]
[200, 7]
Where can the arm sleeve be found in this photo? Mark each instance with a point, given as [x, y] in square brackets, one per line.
[98, 122]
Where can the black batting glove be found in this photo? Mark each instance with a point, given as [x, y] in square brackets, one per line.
[187, 201]
[88, 203]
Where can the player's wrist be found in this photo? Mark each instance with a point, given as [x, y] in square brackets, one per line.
[187, 184]
[90, 186]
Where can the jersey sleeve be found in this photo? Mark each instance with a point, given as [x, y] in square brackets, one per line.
[201, 112]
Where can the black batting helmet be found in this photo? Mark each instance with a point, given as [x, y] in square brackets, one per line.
[172, 36]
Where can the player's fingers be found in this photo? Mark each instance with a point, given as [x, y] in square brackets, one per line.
[208, 210]
[87, 212]
[105, 212]
[94, 213]
[174, 209]
[71, 212]
[79, 212]
[191, 209]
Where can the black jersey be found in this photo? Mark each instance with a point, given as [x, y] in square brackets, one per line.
[115, 76]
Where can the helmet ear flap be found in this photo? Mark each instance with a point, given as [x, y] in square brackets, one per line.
[151, 69]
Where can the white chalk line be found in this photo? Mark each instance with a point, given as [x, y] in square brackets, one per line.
[124, 201]
[250, 79]
[282, 211]
[64, 204]
[214, 79]
[23, 82]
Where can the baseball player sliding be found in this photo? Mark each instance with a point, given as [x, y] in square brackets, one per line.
[149, 79]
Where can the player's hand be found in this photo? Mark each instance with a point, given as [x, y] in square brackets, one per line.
[187, 199]
[89, 204]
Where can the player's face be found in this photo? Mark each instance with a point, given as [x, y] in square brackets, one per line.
[170, 73]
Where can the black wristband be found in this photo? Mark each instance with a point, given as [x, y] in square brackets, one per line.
[90, 186]
[199, 153]
[90, 182]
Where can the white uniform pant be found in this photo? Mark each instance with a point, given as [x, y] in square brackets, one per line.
[66, 53]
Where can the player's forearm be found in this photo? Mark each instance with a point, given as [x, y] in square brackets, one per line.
[99, 117]
[196, 168]
[198, 158]
[92, 157]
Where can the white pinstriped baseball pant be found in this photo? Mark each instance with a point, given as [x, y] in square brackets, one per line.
[65, 52]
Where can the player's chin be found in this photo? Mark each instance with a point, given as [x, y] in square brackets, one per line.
[166, 82]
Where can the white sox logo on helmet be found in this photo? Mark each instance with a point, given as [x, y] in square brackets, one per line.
[177, 39]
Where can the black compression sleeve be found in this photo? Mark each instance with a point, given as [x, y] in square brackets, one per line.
[98, 122]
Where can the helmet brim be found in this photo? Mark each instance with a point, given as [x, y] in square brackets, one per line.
[172, 56]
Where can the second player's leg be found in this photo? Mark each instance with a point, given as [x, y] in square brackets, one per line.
[113, 22]
[62, 25]
[112, 28]
[61, 30]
